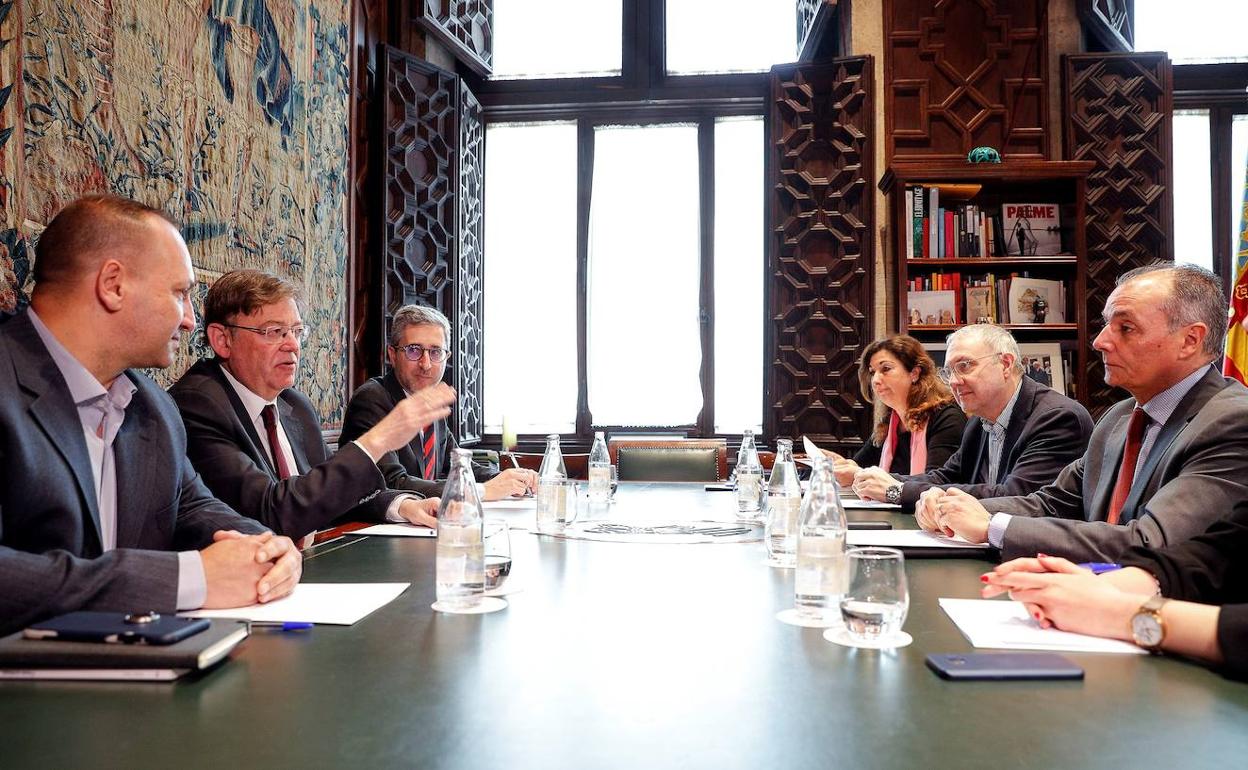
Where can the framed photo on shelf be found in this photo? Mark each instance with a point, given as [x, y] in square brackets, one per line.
[1042, 362]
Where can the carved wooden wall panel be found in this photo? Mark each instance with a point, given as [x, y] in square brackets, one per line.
[364, 299]
[1110, 23]
[420, 134]
[467, 26]
[470, 269]
[1118, 109]
[964, 73]
[821, 217]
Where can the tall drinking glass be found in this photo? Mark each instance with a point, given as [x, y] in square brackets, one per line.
[875, 604]
[497, 537]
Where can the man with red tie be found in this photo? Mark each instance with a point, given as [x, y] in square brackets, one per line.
[1160, 466]
[256, 441]
[417, 353]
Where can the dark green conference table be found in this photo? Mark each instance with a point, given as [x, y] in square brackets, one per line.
[623, 655]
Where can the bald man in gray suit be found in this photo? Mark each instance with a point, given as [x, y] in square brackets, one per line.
[1160, 466]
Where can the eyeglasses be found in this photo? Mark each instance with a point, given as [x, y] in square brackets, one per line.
[275, 334]
[962, 368]
[415, 352]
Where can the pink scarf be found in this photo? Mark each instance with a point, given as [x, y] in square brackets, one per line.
[918, 446]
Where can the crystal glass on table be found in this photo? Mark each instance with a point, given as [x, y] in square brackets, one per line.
[877, 599]
[497, 539]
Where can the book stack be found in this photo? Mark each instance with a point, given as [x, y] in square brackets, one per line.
[946, 223]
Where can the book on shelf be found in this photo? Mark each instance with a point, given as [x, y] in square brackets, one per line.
[1036, 301]
[932, 308]
[1032, 229]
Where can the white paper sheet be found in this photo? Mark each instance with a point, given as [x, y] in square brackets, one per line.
[337, 604]
[1005, 625]
[853, 502]
[908, 538]
[396, 530]
[511, 504]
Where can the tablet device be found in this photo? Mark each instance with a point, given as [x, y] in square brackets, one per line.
[1003, 666]
[117, 628]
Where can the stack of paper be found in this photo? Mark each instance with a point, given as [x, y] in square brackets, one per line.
[1006, 625]
[909, 538]
[338, 604]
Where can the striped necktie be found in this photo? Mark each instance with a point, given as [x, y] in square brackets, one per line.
[430, 445]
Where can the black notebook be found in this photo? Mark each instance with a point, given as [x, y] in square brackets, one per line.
[22, 658]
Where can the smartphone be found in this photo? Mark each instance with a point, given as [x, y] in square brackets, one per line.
[719, 487]
[870, 525]
[117, 628]
[1003, 666]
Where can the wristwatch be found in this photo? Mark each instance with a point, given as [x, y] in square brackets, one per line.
[893, 494]
[1147, 628]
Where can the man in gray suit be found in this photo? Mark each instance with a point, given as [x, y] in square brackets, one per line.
[99, 507]
[1161, 466]
[1024, 436]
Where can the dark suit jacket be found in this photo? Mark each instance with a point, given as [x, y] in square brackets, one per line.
[225, 447]
[944, 428]
[1194, 474]
[1209, 568]
[405, 468]
[50, 547]
[1047, 431]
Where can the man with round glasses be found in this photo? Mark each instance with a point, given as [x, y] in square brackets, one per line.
[257, 441]
[1026, 433]
[417, 354]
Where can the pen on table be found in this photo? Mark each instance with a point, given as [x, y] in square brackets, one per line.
[1099, 567]
[274, 625]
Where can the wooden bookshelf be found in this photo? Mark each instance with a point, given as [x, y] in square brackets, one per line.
[1061, 182]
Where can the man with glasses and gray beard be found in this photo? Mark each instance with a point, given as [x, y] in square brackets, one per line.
[417, 353]
[1025, 435]
[1162, 465]
[256, 441]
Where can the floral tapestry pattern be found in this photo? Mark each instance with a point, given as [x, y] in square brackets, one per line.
[231, 115]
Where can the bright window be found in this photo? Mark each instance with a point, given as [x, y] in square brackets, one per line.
[644, 336]
[1193, 241]
[557, 38]
[530, 368]
[1194, 30]
[739, 284]
[730, 35]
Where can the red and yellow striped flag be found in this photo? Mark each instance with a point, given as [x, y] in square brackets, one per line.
[1236, 362]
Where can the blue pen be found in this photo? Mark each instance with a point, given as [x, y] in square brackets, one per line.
[282, 626]
[1099, 567]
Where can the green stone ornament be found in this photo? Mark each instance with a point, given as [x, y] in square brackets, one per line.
[984, 155]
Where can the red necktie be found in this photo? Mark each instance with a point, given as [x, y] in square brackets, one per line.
[1126, 471]
[430, 465]
[269, 416]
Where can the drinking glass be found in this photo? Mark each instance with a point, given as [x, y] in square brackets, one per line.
[557, 502]
[497, 538]
[874, 606]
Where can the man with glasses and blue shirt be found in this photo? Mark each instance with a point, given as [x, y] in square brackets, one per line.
[1025, 435]
[417, 353]
[256, 441]
[1161, 466]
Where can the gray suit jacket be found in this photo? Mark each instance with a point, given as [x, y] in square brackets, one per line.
[405, 468]
[1194, 474]
[50, 547]
[225, 448]
[1047, 431]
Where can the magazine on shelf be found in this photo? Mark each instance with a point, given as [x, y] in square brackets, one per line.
[1032, 229]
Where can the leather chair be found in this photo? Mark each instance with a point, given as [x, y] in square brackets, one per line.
[673, 460]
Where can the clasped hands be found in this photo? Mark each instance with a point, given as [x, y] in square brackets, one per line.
[241, 570]
[952, 512]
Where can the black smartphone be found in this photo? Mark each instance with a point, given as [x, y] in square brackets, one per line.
[1003, 666]
[117, 628]
[870, 525]
[719, 487]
